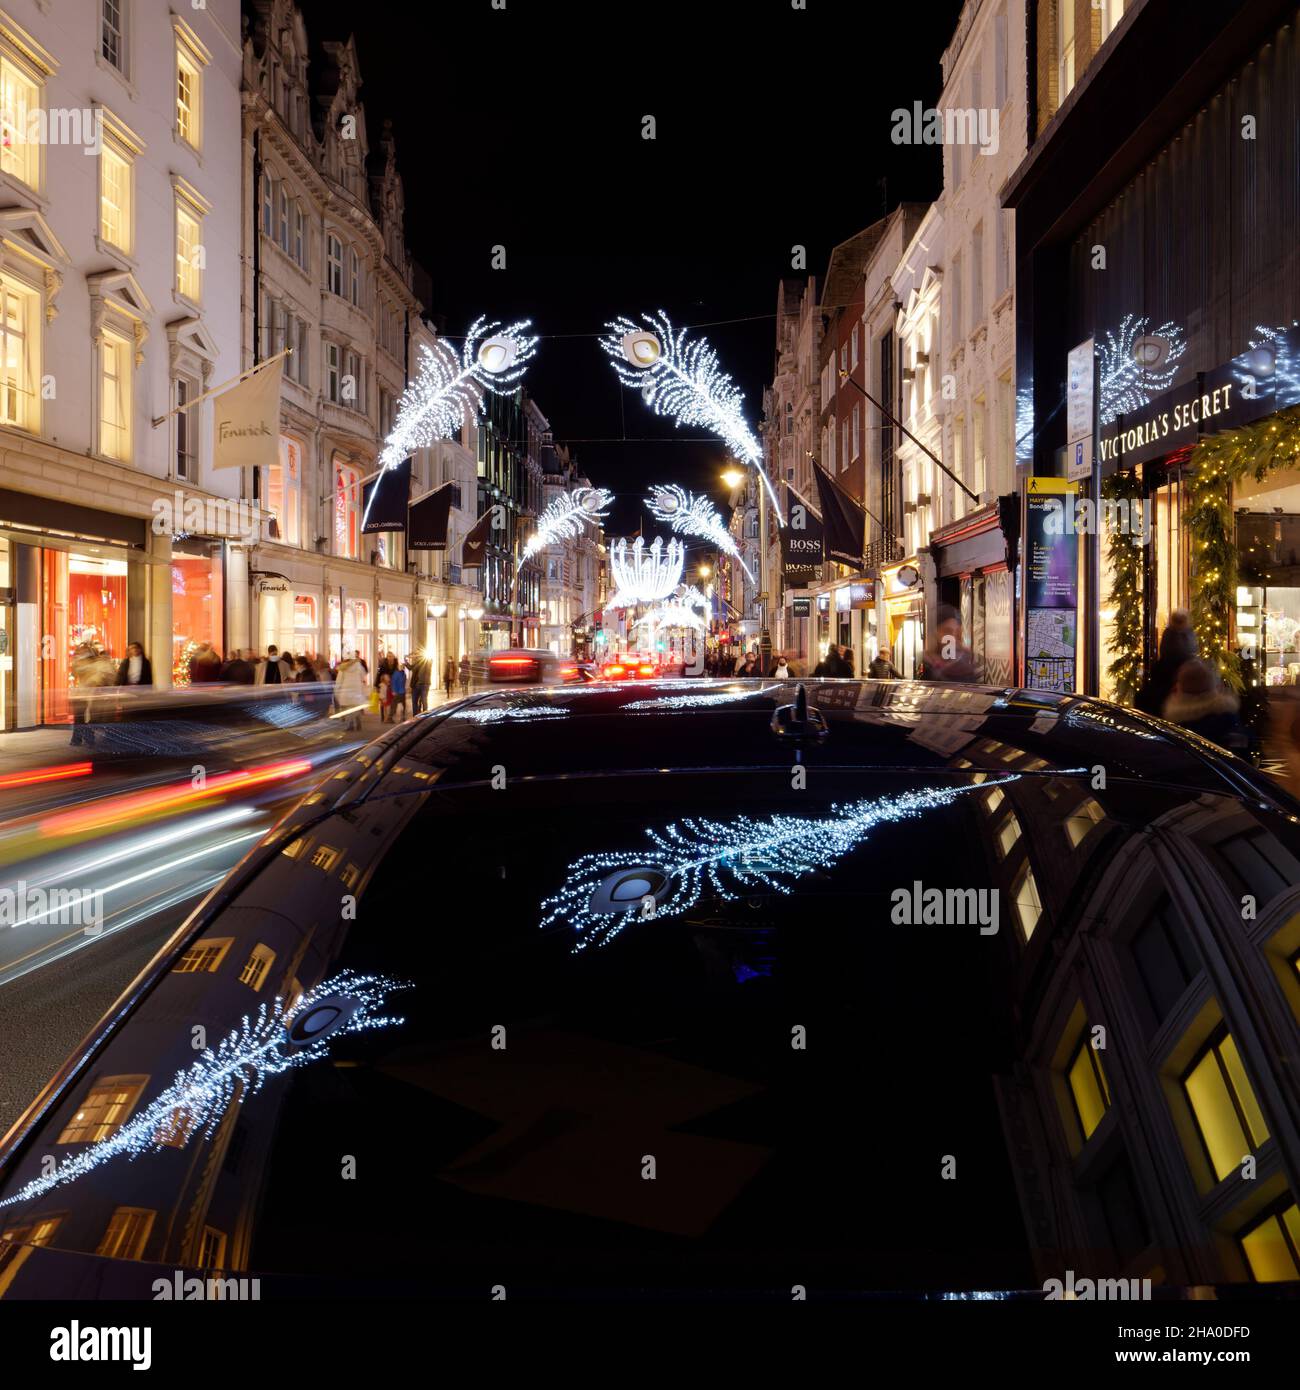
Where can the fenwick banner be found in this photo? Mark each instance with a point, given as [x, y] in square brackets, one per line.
[801, 544]
[1051, 585]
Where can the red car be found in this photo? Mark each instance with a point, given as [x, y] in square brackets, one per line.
[629, 666]
[520, 665]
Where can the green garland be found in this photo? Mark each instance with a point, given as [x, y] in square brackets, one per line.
[1217, 463]
[1126, 559]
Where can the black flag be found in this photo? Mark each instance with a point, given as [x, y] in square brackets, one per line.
[844, 521]
[474, 547]
[386, 499]
[801, 544]
[426, 527]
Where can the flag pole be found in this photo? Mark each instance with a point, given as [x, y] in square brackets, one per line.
[212, 391]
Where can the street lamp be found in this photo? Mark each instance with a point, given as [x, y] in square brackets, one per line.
[704, 571]
[476, 614]
[733, 478]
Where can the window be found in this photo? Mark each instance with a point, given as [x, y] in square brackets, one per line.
[256, 967]
[105, 1109]
[1025, 900]
[187, 431]
[268, 205]
[334, 262]
[347, 512]
[352, 382]
[1002, 252]
[1227, 1114]
[18, 343]
[1271, 1244]
[112, 33]
[356, 278]
[978, 483]
[853, 346]
[115, 397]
[115, 199]
[299, 236]
[19, 96]
[977, 274]
[189, 94]
[333, 372]
[1088, 1088]
[1000, 78]
[203, 957]
[128, 1230]
[954, 299]
[857, 429]
[1083, 820]
[212, 1249]
[283, 237]
[281, 491]
[189, 252]
[1112, 11]
[1008, 834]
[1065, 51]
[324, 857]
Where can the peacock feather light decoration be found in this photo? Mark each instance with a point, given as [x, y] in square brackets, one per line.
[604, 893]
[447, 388]
[260, 1046]
[684, 380]
[692, 515]
[565, 518]
[1137, 364]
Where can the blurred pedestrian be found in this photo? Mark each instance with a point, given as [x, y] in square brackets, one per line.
[135, 669]
[350, 691]
[1200, 702]
[449, 676]
[204, 664]
[238, 670]
[781, 669]
[882, 668]
[1177, 645]
[397, 687]
[91, 671]
[466, 669]
[946, 657]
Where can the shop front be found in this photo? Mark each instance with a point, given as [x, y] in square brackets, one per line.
[903, 601]
[351, 629]
[971, 575]
[198, 601]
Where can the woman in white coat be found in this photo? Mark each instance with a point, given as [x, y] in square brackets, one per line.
[350, 690]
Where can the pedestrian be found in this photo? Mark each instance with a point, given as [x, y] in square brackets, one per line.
[204, 664]
[421, 675]
[1200, 702]
[135, 669]
[397, 688]
[1177, 645]
[882, 668]
[238, 670]
[91, 670]
[945, 657]
[449, 676]
[781, 669]
[350, 692]
[749, 667]
[272, 671]
[465, 671]
[848, 667]
[829, 666]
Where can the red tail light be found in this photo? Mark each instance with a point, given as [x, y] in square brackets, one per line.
[513, 661]
[647, 670]
[568, 670]
[613, 670]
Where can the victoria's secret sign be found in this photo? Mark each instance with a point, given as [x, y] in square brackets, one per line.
[1242, 390]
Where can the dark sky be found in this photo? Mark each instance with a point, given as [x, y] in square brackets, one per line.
[523, 128]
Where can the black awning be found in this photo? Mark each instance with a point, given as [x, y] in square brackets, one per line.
[426, 527]
[386, 499]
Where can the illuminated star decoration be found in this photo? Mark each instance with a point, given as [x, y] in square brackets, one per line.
[684, 381]
[566, 517]
[255, 1049]
[447, 388]
[691, 515]
[1137, 365]
[727, 858]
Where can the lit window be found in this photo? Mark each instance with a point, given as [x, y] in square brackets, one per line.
[203, 957]
[1227, 1114]
[189, 97]
[1088, 1088]
[347, 512]
[189, 254]
[128, 1230]
[260, 960]
[1028, 905]
[1271, 1245]
[1008, 834]
[115, 199]
[1084, 819]
[115, 397]
[18, 346]
[281, 491]
[105, 1108]
[187, 431]
[175, 1130]
[325, 857]
[19, 98]
[992, 800]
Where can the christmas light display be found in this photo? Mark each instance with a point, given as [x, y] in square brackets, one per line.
[1136, 365]
[720, 697]
[261, 1045]
[694, 857]
[692, 515]
[510, 714]
[446, 388]
[1272, 361]
[684, 381]
[566, 517]
[644, 575]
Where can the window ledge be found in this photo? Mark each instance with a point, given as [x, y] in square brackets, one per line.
[120, 258]
[179, 139]
[129, 86]
[186, 302]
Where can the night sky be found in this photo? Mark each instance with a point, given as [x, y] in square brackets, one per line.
[523, 128]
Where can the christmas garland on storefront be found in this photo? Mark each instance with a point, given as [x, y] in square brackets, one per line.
[1125, 555]
[1217, 463]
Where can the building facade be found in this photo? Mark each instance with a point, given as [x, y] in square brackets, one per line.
[120, 289]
